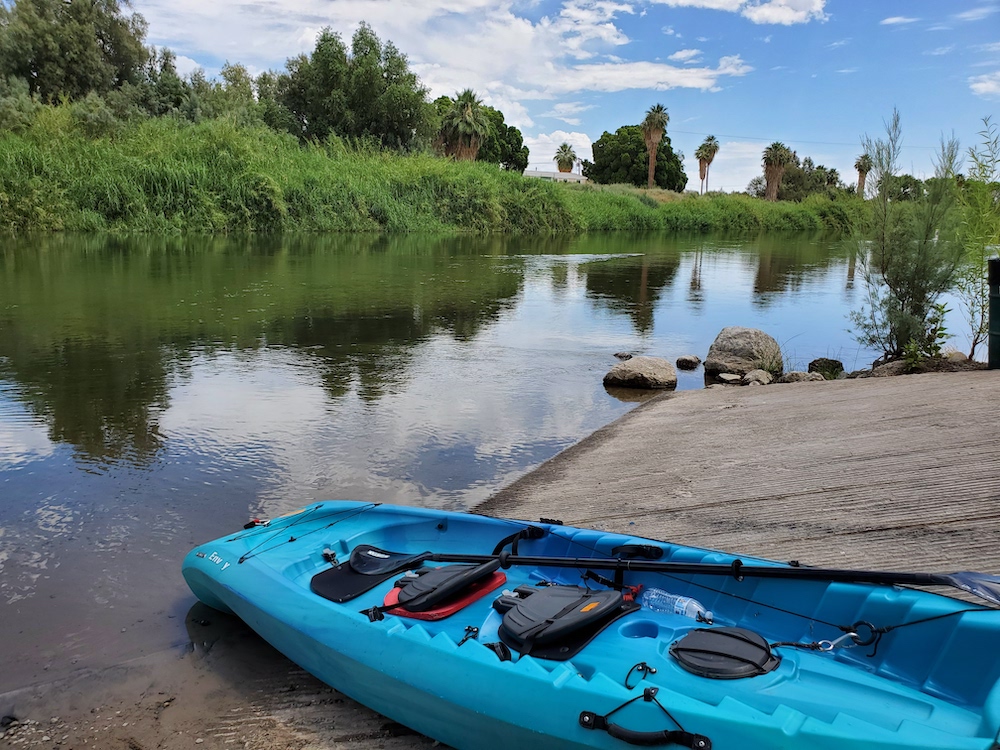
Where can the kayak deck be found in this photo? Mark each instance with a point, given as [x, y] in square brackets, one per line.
[929, 680]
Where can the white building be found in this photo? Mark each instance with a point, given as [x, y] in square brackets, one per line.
[555, 176]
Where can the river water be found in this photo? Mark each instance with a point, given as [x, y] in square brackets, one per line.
[155, 393]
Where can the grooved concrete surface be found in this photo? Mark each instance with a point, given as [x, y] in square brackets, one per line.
[897, 473]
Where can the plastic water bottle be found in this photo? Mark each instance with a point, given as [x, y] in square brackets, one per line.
[659, 600]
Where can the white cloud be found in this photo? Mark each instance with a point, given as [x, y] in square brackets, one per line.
[838, 43]
[940, 50]
[786, 12]
[986, 85]
[685, 55]
[897, 20]
[185, 65]
[541, 148]
[566, 112]
[977, 14]
[848, 70]
[783, 12]
[994, 47]
[624, 76]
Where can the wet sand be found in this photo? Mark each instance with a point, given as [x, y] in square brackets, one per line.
[895, 472]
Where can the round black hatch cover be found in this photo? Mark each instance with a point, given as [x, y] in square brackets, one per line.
[724, 653]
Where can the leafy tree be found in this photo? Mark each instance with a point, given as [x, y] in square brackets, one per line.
[805, 178]
[776, 158]
[17, 107]
[565, 158]
[910, 252]
[621, 158]
[464, 126]
[365, 92]
[979, 200]
[503, 144]
[654, 127]
[864, 165]
[71, 48]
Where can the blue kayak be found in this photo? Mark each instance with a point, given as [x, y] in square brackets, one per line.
[492, 633]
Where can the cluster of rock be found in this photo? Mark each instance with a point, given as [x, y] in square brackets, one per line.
[738, 356]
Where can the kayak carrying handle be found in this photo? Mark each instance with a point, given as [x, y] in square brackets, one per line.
[590, 720]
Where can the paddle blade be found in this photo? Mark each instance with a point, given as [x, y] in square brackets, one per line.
[372, 561]
[983, 585]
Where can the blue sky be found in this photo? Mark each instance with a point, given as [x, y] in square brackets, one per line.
[814, 74]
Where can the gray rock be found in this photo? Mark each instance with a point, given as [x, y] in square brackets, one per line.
[828, 368]
[729, 378]
[688, 362]
[739, 350]
[623, 355]
[758, 377]
[801, 377]
[642, 372]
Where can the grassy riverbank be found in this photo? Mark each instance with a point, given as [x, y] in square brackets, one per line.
[162, 175]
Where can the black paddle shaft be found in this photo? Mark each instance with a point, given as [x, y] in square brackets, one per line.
[981, 584]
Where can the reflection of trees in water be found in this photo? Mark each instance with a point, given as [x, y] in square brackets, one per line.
[92, 326]
[784, 266]
[103, 398]
[631, 285]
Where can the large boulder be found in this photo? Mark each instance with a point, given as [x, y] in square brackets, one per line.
[739, 350]
[642, 372]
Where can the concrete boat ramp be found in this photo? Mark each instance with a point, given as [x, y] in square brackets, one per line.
[895, 473]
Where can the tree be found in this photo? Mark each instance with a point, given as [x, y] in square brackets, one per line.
[979, 200]
[621, 158]
[654, 127]
[909, 253]
[864, 165]
[776, 158]
[565, 157]
[464, 126]
[802, 179]
[71, 48]
[503, 144]
[706, 155]
[365, 92]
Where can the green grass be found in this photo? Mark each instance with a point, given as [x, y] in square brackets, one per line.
[163, 175]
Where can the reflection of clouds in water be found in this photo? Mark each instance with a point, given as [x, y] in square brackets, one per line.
[465, 418]
[55, 520]
[22, 437]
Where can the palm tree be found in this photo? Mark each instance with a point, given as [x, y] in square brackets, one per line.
[864, 165]
[464, 126]
[701, 154]
[565, 158]
[777, 156]
[711, 146]
[654, 127]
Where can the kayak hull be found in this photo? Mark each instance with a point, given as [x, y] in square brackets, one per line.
[424, 676]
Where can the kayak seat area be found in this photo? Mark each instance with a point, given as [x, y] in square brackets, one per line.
[367, 567]
[436, 593]
[557, 622]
